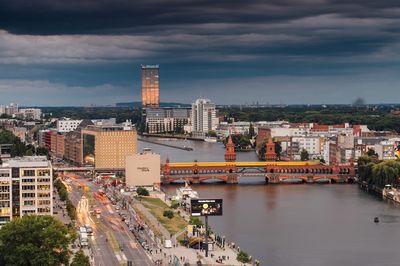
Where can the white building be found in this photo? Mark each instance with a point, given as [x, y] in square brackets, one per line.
[67, 125]
[203, 116]
[26, 187]
[31, 113]
[311, 144]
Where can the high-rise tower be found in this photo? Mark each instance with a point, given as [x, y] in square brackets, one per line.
[150, 86]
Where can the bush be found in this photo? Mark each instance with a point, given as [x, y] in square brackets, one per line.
[141, 191]
[175, 204]
[195, 221]
[169, 214]
[243, 257]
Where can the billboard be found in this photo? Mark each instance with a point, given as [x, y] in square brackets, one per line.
[206, 207]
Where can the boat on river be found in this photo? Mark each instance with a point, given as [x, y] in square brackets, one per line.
[391, 193]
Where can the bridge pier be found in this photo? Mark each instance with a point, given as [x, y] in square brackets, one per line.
[232, 179]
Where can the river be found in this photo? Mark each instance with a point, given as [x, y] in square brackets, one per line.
[297, 224]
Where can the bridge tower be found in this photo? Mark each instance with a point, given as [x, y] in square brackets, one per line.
[230, 154]
[270, 154]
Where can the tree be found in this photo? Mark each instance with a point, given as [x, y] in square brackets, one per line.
[243, 257]
[212, 133]
[371, 152]
[304, 156]
[278, 148]
[251, 131]
[34, 240]
[141, 191]
[175, 204]
[195, 221]
[168, 213]
[80, 259]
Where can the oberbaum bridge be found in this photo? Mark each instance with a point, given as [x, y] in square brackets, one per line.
[273, 171]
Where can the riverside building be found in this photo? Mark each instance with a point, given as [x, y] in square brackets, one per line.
[203, 117]
[106, 147]
[26, 187]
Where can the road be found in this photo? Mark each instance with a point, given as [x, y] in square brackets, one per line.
[112, 243]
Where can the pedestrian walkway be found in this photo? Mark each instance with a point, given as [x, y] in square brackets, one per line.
[155, 223]
[187, 255]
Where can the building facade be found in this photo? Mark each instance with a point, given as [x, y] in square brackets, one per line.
[203, 116]
[143, 169]
[67, 125]
[26, 187]
[30, 113]
[150, 86]
[167, 120]
[107, 147]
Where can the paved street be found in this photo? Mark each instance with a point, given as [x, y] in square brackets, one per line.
[112, 243]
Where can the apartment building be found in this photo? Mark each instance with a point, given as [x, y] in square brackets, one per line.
[25, 187]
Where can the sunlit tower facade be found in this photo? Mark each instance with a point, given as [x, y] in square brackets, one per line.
[150, 86]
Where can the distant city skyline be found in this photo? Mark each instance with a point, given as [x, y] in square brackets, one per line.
[291, 52]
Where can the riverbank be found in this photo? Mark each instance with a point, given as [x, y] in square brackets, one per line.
[184, 137]
[153, 207]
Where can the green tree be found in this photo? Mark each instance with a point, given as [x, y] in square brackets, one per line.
[251, 131]
[278, 148]
[195, 221]
[175, 204]
[80, 259]
[212, 133]
[243, 257]
[141, 191]
[34, 240]
[304, 156]
[371, 152]
[168, 213]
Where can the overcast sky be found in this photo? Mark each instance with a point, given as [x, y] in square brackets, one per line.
[82, 52]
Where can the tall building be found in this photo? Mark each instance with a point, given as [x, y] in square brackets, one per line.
[26, 187]
[150, 86]
[106, 147]
[203, 117]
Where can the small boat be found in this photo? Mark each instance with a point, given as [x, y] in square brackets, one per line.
[210, 139]
[376, 220]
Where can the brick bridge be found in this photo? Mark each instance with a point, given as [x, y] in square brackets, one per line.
[273, 171]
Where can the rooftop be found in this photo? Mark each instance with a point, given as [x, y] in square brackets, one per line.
[26, 162]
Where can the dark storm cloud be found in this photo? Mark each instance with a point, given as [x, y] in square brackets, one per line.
[95, 16]
[226, 44]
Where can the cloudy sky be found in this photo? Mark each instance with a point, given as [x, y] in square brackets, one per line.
[82, 52]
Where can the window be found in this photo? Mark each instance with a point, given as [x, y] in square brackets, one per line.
[28, 187]
[43, 172]
[29, 202]
[28, 195]
[28, 173]
[28, 180]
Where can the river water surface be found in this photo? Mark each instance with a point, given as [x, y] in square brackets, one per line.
[296, 224]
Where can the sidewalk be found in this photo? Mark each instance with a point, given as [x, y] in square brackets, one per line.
[152, 219]
[187, 255]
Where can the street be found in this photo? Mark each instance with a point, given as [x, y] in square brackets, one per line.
[112, 243]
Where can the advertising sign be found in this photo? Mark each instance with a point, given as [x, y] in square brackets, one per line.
[206, 207]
